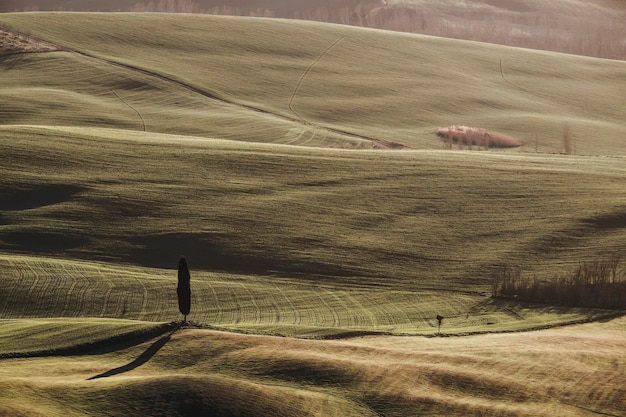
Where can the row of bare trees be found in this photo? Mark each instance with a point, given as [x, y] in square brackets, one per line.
[598, 284]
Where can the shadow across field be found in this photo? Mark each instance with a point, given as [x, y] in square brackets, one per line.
[41, 242]
[25, 198]
[141, 359]
[98, 347]
[212, 251]
[609, 221]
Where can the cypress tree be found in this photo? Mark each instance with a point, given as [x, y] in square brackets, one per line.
[184, 288]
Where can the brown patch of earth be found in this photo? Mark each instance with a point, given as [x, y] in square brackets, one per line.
[15, 43]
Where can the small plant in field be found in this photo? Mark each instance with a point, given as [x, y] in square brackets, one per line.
[473, 136]
[184, 288]
[568, 147]
[439, 320]
[597, 284]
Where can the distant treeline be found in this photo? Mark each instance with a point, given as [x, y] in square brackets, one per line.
[596, 284]
[598, 33]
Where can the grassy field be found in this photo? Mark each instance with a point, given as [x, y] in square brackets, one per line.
[299, 172]
[305, 83]
[569, 26]
[574, 371]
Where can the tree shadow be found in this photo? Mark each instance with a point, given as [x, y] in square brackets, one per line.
[141, 359]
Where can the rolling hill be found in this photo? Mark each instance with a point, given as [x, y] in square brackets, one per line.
[296, 165]
[570, 26]
[575, 371]
[297, 82]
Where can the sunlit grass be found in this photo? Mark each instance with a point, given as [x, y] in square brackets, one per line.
[46, 336]
[47, 289]
[569, 371]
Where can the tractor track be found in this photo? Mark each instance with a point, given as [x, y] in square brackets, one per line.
[377, 143]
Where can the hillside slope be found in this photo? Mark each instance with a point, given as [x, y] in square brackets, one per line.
[113, 150]
[129, 140]
[305, 83]
[576, 371]
[357, 240]
[570, 26]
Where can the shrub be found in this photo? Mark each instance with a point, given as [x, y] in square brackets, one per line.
[472, 136]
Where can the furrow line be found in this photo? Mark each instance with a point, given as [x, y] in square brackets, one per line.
[357, 301]
[144, 301]
[257, 316]
[333, 313]
[69, 294]
[220, 311]
[297, 318]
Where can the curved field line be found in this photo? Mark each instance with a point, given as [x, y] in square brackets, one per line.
[35, 277]
[107, 294]
[352, 320]
[274, 311]
[297, 318]
[144, 301]
[85, 283]
[306, 72]
[236, 315]
[219, 315]
[356, 301]
[143, 122]
[10, 296]
[156, 294]
[309, 314]
[206, 94]
[68, 294]
[509, 82]
[44, 286]
[399, 309]
[257, 316]
[385, 317]
[267, 308]
[333, 313]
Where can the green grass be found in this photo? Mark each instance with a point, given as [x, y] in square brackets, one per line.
[355, 240]
[381, 85]
[39, 288]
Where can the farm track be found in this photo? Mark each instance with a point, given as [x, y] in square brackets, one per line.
[377, 143]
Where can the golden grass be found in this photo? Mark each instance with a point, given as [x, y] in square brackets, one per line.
[571, 371]
[46, 336]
